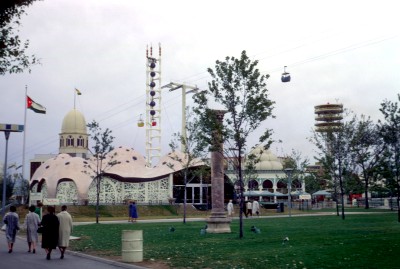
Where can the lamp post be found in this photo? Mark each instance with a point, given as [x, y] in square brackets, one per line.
[185, 90]
[7, 128]
[289, 172]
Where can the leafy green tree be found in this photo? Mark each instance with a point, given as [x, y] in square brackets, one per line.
[192, 157]
[102, 146]
[389, 129]
[250, 161]
[9, 187]
[353, 184]
[298, 164]
[239, 89]
[317, 178]
[13, 57]
[336, 156]
[367, 148]
[313, 184]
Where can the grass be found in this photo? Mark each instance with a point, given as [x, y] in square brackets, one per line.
[359, 241]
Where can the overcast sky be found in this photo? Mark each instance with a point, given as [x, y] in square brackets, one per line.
[336, 51]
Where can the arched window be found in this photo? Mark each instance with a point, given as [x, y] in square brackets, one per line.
[267, 184]
[282, 186]
[253, 185]
[70, 141]
[80, 142]
[61, 141]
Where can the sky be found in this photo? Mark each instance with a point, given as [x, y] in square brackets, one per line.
[336, 52]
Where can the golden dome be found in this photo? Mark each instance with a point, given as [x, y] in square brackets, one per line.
[74, 123]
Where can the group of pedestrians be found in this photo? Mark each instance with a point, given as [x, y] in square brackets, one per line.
[252, 208]
[55, 229]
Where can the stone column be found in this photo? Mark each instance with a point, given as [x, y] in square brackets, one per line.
[218, 222]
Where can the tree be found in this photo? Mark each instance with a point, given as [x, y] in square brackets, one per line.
[240, 89]
[250, 161]
[313, 183]
[298, 164]
[336, 157]
[20, 185]
[102, 146]
[317, 178]
[389, 130]
[13, 57]
[367, 148]
[192, 156]
[9, 188]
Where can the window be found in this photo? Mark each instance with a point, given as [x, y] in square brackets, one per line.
[70, 141]
[80, 142]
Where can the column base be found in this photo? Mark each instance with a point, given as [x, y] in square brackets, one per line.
[218, 223]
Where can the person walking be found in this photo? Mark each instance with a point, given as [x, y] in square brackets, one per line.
[255, 210]
[65, 230]
[249, 209]
[133, 215]
[229, 207]
[51, 226]
[32, 222]
[11, 219]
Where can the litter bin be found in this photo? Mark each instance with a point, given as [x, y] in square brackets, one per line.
[132, 245]
[280, 208]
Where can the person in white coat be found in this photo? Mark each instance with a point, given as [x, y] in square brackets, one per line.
[229, 207]
[65, 230]
[31, 224]
[256, 208]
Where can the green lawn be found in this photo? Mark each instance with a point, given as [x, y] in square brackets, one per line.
[359, 241]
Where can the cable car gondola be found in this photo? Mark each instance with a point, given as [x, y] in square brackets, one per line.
[140, 121]
[285, 75]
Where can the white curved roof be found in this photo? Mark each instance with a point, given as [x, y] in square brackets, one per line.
[63, 166]
[128, 165]
[74, 122]
[268, 160]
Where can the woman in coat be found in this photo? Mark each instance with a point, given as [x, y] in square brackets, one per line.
[65, 230]
[133, 215]
[51, 226]
[12, 221]
[32, 222]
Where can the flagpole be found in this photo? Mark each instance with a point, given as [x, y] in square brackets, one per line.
[74, 97]
[23, 144]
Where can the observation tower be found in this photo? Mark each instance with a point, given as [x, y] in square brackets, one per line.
[328, 117]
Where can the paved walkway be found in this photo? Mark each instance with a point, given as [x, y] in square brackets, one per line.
[20, 258]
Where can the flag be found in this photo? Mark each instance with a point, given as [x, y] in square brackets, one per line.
[78, 92]
[35, 106]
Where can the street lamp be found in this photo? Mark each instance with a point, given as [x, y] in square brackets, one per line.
[289, 172]
[7, 128]
[185, 90]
